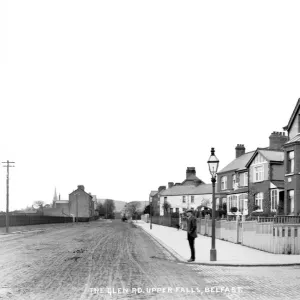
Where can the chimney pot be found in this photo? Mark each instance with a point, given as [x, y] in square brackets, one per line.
[190, 171]
[170, 184]
[277, 140]
[239, 150]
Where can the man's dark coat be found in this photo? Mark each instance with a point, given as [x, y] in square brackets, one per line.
[192, 227]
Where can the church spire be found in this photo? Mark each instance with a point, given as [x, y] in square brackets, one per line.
[55, 196]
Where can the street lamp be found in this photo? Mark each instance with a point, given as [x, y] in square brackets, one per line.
[213, 164]
[150, 214]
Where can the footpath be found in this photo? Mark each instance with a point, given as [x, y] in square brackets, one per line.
[228, 254]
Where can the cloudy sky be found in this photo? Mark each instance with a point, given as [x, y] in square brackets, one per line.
[123, 96]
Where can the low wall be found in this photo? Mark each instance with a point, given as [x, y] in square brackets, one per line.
[21, 220]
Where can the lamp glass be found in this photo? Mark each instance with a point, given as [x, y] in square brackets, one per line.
[213, 164]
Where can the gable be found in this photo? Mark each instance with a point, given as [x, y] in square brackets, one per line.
[293, 127]
[258, 159]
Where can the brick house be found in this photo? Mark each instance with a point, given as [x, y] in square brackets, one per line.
[232, 183]
[81, 203]
[292, 164]
[266, 176]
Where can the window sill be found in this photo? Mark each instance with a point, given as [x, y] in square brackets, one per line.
[289, 174]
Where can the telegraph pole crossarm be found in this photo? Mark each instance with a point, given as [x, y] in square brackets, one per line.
[7, 192]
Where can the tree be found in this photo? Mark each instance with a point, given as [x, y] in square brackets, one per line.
[166, 206]
[101, 209]
[205, 202]
[109, 206]
[38, 204]
[147, 210]
[132, 209]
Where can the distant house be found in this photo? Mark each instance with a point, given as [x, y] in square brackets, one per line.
[191, 193]
[183, 197]
[156, 204]
[81, 203]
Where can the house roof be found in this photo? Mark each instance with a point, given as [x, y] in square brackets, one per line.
[78, 189]
[294, 114]
[278, 183]
[62, 201]
[192, 178]
[239, 163]
[152, 193]
[273, 155]
[179, 190]
[294, 139]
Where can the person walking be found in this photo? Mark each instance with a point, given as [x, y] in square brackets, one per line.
[191, 232]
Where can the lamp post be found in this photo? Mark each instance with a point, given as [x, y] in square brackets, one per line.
[76, 208]
[213, 164]
[150, 213]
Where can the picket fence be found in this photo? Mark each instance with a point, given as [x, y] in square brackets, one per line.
[272, 236]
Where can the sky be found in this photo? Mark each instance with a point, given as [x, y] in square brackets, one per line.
[123, 96]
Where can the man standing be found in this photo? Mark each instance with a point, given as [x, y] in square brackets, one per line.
[191, 232]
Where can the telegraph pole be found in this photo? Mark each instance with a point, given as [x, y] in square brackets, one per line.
[7, 192]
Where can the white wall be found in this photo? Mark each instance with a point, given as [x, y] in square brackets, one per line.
[176, 201]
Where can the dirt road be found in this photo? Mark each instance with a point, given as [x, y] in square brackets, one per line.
[97, 260]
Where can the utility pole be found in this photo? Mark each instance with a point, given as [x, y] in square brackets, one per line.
[7, 192]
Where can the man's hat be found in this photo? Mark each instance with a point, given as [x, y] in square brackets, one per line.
[189, 210]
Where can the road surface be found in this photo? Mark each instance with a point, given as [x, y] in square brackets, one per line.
[96, 260]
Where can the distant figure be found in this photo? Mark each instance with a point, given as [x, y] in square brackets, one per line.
[191, 233]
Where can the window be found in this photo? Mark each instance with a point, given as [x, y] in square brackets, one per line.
[291, 201]
[259, 200]
[243, 202]
[177, 210]
[165, 199]
[258, 173]
[244, 179]
[232, 202]
[183, 199]
[217, 203]
[224, 183]
[192, 199]
[274, 200]
[233, 181]
[291, 162]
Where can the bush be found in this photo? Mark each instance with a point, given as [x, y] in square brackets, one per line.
[233, 209]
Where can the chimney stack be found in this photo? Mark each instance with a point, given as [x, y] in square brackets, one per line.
[190, 171]
[239, 150]
[80, 187]
[170, 184]
[277, 140]
[161, 188]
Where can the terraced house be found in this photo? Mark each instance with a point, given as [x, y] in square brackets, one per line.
[232, 183]
[292, 164]
[190, 193]
[266, 177]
